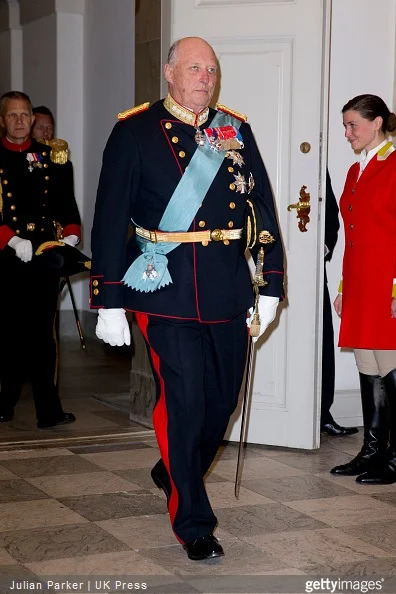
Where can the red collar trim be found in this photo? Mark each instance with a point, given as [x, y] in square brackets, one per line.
[17, 148]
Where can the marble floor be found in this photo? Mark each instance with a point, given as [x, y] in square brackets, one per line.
[77, 503]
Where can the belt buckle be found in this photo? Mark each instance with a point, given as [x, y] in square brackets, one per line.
[217, 235]
[153, 237]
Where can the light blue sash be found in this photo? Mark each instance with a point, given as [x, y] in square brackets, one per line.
[149, 271]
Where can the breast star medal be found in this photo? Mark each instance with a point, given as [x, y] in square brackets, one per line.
[236, 157]
[240, 183]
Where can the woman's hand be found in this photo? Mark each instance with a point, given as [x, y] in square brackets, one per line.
[338, 305]
[393, 308]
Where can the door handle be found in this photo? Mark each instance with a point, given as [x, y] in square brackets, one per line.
[303, 207]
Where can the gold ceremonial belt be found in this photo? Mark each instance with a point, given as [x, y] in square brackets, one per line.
[189, 236]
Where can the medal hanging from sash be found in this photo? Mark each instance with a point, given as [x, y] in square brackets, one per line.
[199, 137]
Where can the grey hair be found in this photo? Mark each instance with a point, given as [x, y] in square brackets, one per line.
[15, 95]
[172, 54]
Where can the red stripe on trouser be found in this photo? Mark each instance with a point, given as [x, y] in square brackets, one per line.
[160, 418]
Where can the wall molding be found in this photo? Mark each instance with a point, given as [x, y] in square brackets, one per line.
[9, 15]
[228, 3]
[32, 10]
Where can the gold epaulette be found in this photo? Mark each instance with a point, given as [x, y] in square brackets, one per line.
[232, 112]
[59, 149]
[124, 115]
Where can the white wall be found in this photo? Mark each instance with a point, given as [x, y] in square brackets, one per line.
[39, 61]
[362, 61]
[69, 120]
[53, 76]
[11, 59]
[109, 56]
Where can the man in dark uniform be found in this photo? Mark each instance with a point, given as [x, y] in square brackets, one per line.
[44, 123]
[189, 178]
[332, 225]
[35, 190]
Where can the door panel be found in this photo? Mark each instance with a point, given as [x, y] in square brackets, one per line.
[273, 57]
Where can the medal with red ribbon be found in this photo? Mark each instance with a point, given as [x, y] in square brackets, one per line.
[224, 138]
[34, 160]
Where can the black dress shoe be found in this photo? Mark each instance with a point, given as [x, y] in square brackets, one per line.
[336, 430]
[205, 547]
[66, 419]
[358, 465]
[382, 475]
[160, 476]
[6, 417]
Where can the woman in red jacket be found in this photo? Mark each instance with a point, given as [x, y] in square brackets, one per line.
[366, 302]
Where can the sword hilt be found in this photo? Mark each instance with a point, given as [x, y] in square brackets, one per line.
[256, 322]
[255, 325]
[258, 278]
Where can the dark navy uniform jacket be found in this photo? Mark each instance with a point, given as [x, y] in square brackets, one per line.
[143, 162]
[31, 201]
[332, 222]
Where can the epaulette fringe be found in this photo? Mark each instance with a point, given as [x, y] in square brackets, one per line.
[232, 112]
[124, 115]
[59, 149]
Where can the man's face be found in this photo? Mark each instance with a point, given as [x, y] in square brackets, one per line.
[43, 127]
[17, 120]
[192, 78]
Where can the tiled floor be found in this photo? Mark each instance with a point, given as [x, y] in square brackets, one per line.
[79, 501]
[97, 370]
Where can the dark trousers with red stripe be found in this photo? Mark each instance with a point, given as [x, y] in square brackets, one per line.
[198, 369]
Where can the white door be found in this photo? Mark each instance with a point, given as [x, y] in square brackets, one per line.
[274, 68]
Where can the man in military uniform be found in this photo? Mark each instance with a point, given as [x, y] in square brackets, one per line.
[187, 176]
[44, 123]
[35, 190]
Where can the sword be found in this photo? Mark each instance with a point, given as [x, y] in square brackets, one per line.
[258, 281]
[76, 316]
[66, 281]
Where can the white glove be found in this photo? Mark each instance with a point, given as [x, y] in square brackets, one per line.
[23, 248]
[71, 240]
[112, 327]
[267, 311]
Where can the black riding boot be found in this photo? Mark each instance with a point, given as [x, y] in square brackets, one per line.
[376, 428]
[386, 475]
